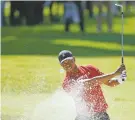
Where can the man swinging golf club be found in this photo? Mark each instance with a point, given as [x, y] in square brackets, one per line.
[83, 83]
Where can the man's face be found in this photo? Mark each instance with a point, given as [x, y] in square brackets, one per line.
[68, 65]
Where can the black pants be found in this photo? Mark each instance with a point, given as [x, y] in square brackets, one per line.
[97, 116]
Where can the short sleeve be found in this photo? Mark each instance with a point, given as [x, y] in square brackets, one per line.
[94, 71]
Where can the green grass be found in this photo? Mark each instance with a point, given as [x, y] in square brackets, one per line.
[31, 72]
[34, 74]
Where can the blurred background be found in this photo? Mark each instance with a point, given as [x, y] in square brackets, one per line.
[30, 13]
[34, 32]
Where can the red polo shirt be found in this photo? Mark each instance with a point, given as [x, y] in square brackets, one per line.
[90, 99]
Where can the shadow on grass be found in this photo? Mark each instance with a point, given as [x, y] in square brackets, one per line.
[41, 41]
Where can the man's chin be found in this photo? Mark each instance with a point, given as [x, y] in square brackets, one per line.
[69, 70]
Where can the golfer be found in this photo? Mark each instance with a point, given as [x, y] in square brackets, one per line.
[83, 83]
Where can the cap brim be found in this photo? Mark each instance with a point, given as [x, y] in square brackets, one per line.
[68, 58]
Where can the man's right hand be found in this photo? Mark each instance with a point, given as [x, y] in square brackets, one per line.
[120, 69]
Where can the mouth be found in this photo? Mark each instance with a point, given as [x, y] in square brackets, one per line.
[68, 68]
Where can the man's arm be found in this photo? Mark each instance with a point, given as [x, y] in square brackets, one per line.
[112, 83]
[105, 78]
[100, 79]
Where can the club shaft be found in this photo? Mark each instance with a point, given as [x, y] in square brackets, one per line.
[122, 31]
[122, 44]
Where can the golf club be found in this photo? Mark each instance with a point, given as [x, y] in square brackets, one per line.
[122, 30]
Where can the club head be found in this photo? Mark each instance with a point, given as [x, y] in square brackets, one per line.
[119, 5]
